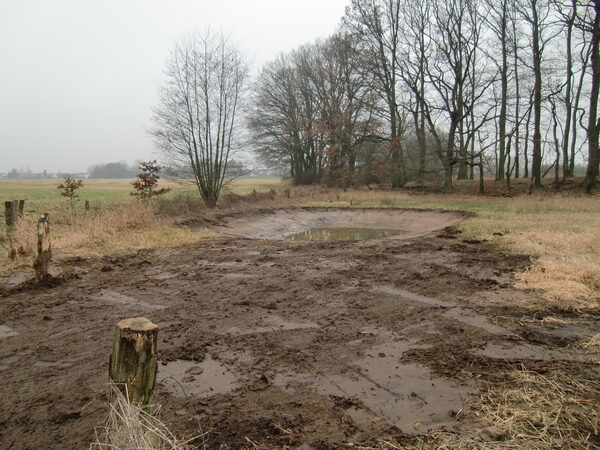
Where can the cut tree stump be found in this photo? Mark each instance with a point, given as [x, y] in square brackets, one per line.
[133, 363]
[44, 251]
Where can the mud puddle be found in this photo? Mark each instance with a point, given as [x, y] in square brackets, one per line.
[452, 311]
[347, 224]
[203, 379]
[410, 296]
[116, 298]
[342, 234]
[379, 388]
[6, 332]
[14, 279]
[271, 323]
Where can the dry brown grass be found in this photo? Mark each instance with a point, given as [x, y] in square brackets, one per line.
[116, 230]
[527, 410]
[131, 427]
[561, 233]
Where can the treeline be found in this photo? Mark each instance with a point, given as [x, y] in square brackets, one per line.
[118, 169]
[420, 89]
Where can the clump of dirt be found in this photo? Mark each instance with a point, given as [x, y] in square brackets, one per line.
[280, 343]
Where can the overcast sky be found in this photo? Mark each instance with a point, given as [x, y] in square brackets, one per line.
[78, 78]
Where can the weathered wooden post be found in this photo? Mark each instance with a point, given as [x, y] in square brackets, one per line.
[9, 216]
[10, 220]
[21, 208]
[133, 362]
[87, 205]
[44, 250]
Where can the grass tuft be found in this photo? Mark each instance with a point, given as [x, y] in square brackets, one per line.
[132, 427]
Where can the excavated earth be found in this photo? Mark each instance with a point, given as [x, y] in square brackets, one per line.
[282, 343]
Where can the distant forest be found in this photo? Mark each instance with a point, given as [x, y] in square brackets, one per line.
[423, 89]
[119, 169]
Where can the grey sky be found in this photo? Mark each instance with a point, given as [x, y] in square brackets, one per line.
[78, 77]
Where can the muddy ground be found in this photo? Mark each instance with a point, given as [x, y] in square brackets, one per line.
[281, 343]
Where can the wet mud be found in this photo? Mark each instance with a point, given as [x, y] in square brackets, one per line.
[281, 343]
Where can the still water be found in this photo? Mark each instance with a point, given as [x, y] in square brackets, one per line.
[342, 234]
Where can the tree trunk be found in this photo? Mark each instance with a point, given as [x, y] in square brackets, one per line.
[526, 149]
[399, 169]
[536, 160]
[568, 89]
[593, 124]
[481, 182]
[503, 95]
[517, 171]
[463, 169]
[133, 362]
[575, 109]
[448, 160]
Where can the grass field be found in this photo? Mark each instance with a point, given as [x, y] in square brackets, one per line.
[43, 194]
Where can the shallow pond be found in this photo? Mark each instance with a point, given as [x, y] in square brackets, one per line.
[342, 234]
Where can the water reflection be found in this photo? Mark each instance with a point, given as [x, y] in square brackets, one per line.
[342, 234]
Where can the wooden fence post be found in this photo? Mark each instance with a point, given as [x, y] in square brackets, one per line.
[10, 220]
[21, 207]
[9, 216]
[44, 250]
[133, 362]
[87, 205]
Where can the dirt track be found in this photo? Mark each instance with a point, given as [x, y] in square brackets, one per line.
[278, 342]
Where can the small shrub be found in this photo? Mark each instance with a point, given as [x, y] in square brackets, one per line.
[146, 185]
[69, 189]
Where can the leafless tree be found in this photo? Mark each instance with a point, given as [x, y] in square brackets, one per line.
[447, 86]
[537, 13]
[196, 121]
[312, 111]
[283, 117]
[589, 22]
[498, 20]
[456, 35]
[377, 23]
[416, 48]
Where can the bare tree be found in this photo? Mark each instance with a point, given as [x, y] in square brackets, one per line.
[283, 118]
[200, 103]
[538, 14]
[590, 23]
[456, 34]
[377, 22]
[312, 111]
[416, 18]
[498, 21]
